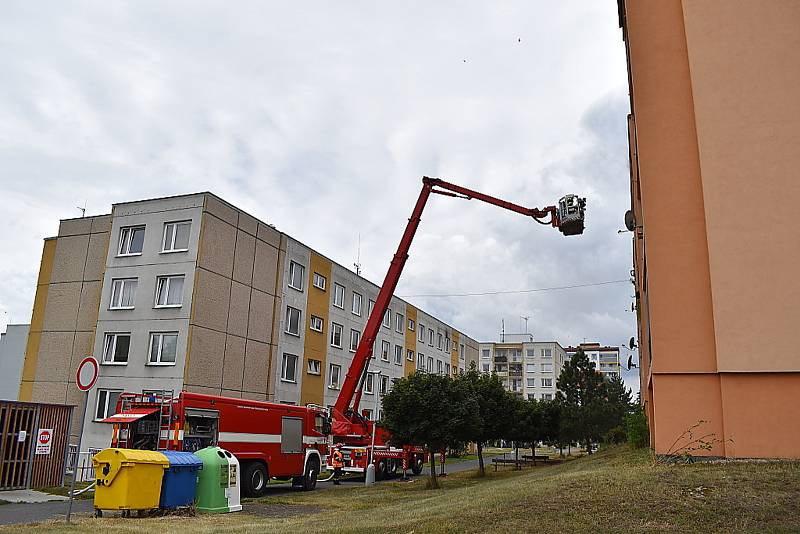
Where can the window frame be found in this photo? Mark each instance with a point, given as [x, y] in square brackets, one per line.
[122, 282]
[336, 288]
[159, 362]
[411, 325]
[318, 366]
[284, 368]
[125, 240]
[107, 391]
[315, 319]
[430, 337]
[369, 381]
[318, 277]
[293, 265]
[288, 320]
[410, 355]
[399, 322]
[333, 332]
[174, 224]
[387, 318]
[398, 354]
[545, 384]
[360, 304]
[421, 337]
[420, 360]
[115, 336]
[338, 383]
[358, 339]
[167, 279]
[385, 353]
[383, 387]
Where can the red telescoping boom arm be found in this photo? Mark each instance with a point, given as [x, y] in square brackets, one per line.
[349, 397]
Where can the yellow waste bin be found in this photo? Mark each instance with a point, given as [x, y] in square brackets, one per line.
[128, 479]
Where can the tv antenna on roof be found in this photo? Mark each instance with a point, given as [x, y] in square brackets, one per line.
[357, 264]
[83, 209]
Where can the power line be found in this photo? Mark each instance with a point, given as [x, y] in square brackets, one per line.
[536, 290]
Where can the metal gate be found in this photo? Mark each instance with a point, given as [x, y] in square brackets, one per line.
[20, 466]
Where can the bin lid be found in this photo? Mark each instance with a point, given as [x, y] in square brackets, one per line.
[178, 458]
[113, 455]
[211, 456]
[129, 416]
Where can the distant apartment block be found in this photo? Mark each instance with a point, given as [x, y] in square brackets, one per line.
[12, 355]
[605, 358]
[191, 293]
[529, 369]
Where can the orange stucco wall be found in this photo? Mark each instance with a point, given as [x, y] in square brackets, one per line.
[713, 134]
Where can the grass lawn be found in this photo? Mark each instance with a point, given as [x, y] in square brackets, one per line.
[617, 490]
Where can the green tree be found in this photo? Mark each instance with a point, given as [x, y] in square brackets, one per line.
[584, 394]
[528, 424]
[636, 427]
[430, 410]
[618, 405]
[494, 409]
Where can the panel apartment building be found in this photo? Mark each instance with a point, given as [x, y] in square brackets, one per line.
[714, 132]
[529, 369]
[605, 358]
[191, 293]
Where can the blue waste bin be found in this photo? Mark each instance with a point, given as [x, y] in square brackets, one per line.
[179, 485]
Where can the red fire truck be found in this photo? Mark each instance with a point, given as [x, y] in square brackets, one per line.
[359, 439]
[270, 440]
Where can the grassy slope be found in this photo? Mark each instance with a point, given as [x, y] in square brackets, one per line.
[616, 490]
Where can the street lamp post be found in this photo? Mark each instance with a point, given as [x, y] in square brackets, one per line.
[370, 477]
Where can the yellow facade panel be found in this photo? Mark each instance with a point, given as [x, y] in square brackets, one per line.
[312, 389]
[411, 340]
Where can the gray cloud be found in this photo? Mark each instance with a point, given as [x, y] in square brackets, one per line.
[321, 118]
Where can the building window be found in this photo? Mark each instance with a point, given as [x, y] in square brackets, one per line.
[367, 413]
[547, 396]
[399, 322]
[314, 367]
[430, 364]
[131, 241]
[422, 332]
[357, 301]
[319, 281]
[461, 352]
[334, 371]
[410, 355]
[447, 342]
[530, 367]
[176, 236]
[547, 382]
[292, 321]
[385, 347]
[387, 318]
[447, 369]
[289, 368]
[336, 335]
[338, 295]
[439, 366]
[547, 353]
[355, 337]
[297, 274]
[420, 361]
[485, 367]
[169, 292]
[106, 403]
[547, 367]
[116, 348]
[530, 353]
[531, 382]
[384, 384]
[163, 348]
[485, 354]
[398, 354]
[368, 382]
[430, 337]
[123, 293]
[316, 323]
[411, 324]
[439, 341]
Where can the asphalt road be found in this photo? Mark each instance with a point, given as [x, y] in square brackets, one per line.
[20, 513]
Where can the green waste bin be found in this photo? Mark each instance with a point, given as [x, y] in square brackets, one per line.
[218, 485]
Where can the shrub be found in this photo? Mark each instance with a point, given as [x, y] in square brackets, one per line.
[636, 426]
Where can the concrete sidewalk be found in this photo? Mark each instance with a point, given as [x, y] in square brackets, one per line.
[29, 496]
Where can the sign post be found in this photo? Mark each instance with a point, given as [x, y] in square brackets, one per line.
[85, 379]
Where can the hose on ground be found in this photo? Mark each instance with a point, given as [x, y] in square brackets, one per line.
[84, 490]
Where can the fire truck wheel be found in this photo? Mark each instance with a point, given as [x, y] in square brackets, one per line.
[255, 479]
[380, 470]
[417, 463]
[312, 472]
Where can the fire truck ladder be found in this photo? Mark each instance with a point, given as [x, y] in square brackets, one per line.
[165, 419]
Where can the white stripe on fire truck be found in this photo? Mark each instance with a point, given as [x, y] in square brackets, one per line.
[245, 437]
[170, 434]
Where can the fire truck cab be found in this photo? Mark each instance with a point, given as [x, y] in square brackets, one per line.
[271, 440]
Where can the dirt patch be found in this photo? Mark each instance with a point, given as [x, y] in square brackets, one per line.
[279, 510]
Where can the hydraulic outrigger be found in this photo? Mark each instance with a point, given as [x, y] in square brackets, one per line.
[351, 428]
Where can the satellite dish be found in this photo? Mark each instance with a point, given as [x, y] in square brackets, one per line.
[630, 362]
[630, 222]
[632, 343]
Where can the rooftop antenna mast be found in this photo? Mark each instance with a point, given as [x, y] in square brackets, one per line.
[357, 264]
[83, 209]
[502, 330]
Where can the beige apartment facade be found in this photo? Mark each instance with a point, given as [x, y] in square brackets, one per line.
[527, 369]
[191, 293]
[713, 134]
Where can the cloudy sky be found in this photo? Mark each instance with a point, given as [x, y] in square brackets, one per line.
[321, 118]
